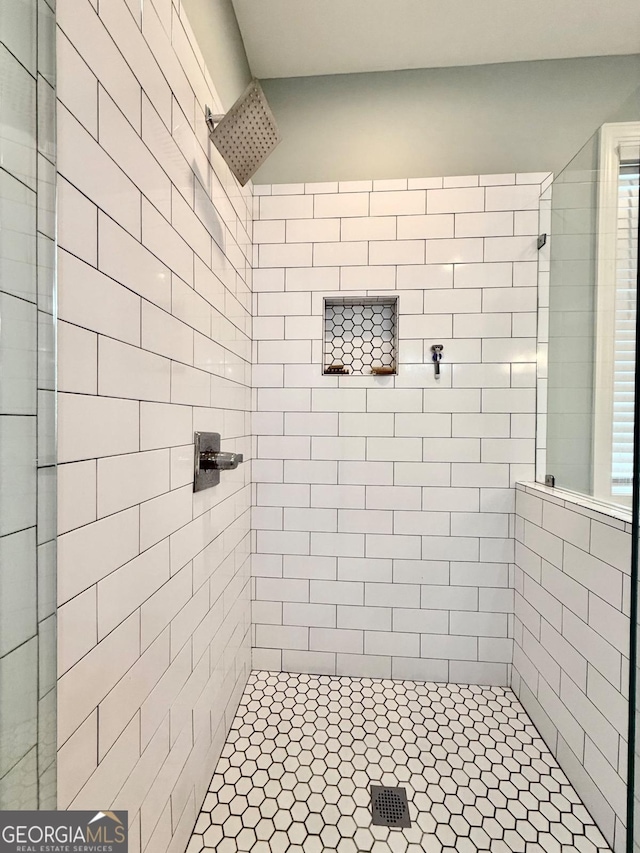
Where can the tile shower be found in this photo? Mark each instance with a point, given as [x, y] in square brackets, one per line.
[373, 597]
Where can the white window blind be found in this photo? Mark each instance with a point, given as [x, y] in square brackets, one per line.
[616, 285]
[625, 325]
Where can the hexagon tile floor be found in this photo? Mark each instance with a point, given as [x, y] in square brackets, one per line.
[303, 750]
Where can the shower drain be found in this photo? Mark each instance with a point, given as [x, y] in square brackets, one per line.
[389, 806]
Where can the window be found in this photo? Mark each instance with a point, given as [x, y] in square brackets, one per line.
[617, 264]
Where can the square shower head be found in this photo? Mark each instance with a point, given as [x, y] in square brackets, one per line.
[247, 134]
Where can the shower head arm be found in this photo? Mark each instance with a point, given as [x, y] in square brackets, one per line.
[212, 119]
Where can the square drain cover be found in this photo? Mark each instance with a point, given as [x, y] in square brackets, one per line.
[389, 806]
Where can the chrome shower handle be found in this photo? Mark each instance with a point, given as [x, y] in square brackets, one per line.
[220, 460]
[209, 460]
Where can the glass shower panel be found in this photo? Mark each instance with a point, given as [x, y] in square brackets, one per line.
[572, 322]
[27, 406]
[592, 209]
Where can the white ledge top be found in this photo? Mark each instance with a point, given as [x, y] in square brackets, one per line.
[616, 516]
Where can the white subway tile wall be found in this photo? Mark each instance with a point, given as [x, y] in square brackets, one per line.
[571, 582]
[383, 505]
[155, 342]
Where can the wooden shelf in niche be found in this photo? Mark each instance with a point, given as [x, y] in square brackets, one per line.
[360, 335]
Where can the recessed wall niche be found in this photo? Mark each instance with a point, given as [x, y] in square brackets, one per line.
[360, 335]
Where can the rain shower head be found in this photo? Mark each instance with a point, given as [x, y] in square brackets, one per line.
[247, 134]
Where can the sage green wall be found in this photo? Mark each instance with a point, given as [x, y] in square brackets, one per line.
[216, 29]
[513, 117]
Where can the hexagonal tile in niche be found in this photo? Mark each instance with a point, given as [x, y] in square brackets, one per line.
[350, 327]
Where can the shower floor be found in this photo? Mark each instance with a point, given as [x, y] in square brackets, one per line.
[303, 750]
